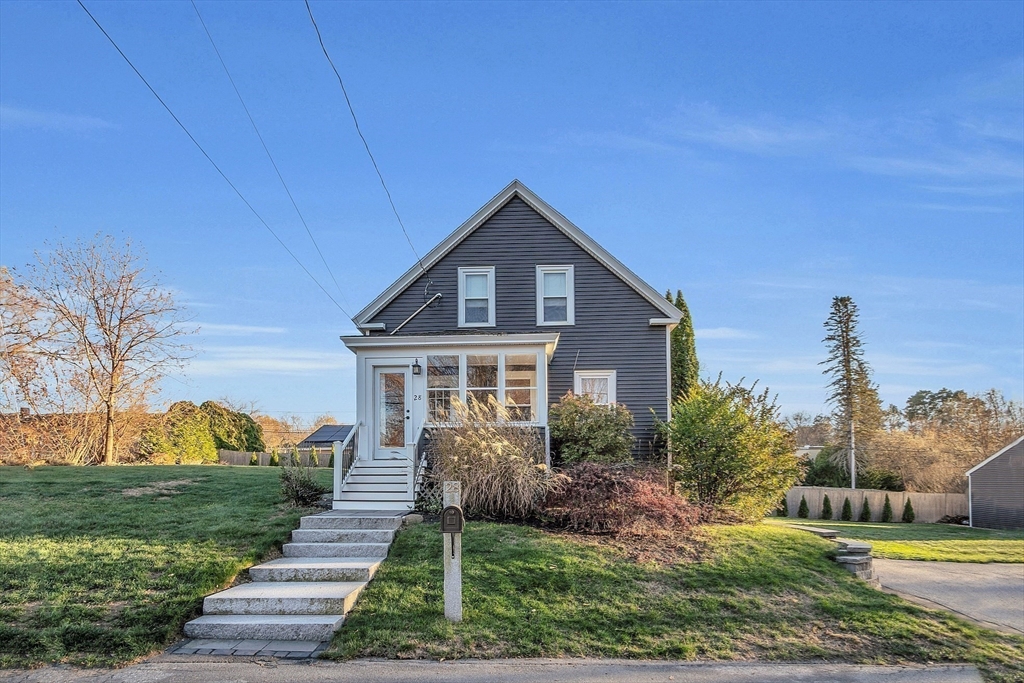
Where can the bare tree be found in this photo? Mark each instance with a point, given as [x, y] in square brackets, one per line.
[111, 322]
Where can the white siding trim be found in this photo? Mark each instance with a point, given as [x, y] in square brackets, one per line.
[570, 295]
[516, 188]
[480, 270]
[578, 375]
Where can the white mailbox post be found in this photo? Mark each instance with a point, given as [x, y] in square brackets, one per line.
[452, 501]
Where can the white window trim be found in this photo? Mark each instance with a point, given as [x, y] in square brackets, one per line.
[489, 272]
[540, 413]
[570, 295]
[579, 375]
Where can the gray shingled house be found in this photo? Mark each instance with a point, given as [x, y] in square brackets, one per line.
[517, 303]
[995, 489]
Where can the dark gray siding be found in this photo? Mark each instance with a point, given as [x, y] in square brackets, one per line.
[612, 330]
[997, 491]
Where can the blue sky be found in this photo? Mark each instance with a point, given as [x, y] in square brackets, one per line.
[762, 157]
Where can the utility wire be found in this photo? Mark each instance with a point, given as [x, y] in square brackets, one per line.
[267, 150]
[362, 137]
[208, 157]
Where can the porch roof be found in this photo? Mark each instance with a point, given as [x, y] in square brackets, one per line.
[548, 339]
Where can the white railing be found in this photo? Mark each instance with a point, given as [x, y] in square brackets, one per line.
[345, 454]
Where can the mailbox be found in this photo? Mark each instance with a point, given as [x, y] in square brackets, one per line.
[452, 520]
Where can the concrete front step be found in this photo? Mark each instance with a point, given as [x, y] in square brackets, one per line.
[285, 597]
[316, 569]
[329, 520]
[315, 627]
[336, 549]
[342, 536]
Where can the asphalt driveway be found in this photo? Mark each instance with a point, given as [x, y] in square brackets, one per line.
[990, 594]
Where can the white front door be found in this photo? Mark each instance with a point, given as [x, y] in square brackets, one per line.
[392, 413]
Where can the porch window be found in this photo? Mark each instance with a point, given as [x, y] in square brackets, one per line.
[481, 377]
[476, 297]
[555, 295]
[521, 386]
[442, 386]
[599, 385]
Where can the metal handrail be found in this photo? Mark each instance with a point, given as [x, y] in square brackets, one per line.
[343, 466]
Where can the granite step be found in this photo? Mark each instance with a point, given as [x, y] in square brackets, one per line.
[285, 597]
[333, 520]
[336, 549]
[316, 569]
[311, 627]
[342, 536]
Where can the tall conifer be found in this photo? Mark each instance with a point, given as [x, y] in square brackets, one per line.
[685, 367]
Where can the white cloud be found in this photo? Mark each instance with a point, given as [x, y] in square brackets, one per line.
[17, 117]
[226, 330]
[252, 359]
[723, 333]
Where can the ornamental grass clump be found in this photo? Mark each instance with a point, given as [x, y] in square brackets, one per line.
[613, 499]
[500, 464]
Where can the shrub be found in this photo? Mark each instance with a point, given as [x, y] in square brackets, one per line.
[254, 460]
[887, 510]
[803, 512]
[847, 514]
[500, 464]
[182, 435]
[729, 449]
[908, 512]
[865, 511]
[314, 461]
[826, 508]
[613, 499]
[330, 463]
[783, 510]
[275, 459]
[299, 485]
[232, 430]
[295, 459]
[583, 431]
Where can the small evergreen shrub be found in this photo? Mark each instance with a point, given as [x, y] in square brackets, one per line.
[584, 431]
[330, 463]
[887, 510]
[783, 510]
[299, 486]
[803, 512]
[275, 459]
[314, 461]
[612, 499]
[847, 513]
[865, 511]
[908, 512]
[295, 459]
[254, 460]
[826, 508]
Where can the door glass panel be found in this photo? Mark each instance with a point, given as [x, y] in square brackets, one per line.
[391, 410]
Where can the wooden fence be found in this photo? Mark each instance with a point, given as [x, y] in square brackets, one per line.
[928, 507]
[323, 456]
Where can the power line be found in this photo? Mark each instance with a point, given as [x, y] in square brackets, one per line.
[362, 137]
[267, 150]
[208, 157]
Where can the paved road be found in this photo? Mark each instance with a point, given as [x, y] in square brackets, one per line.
[990, 594]
[498, 671]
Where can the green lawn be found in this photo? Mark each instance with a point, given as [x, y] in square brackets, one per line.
[926, 541]
[759, 592]
[101, 565]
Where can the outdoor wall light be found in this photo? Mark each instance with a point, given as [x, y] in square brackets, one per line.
[416, 367]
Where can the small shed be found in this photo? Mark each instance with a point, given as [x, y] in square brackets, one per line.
[995, 489]
[325, 436]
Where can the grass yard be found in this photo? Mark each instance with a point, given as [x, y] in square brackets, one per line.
[944, 542]
[760, 592]
[101, 565]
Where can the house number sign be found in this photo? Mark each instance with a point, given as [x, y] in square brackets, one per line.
[452, 523]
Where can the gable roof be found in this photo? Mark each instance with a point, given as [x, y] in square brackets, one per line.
[517, 189]
[993, 457]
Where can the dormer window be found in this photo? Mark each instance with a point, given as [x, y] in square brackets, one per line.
[476, 297]
[555, 295]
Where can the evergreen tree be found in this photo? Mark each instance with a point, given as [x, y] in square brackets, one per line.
[275, 459]
[685, 368]
[254, 460]
[865, 512]
[855, 399]
[887, 510]
[803, 512]
[314, 461]
[847, 514]
[908, 512]
[295, 456]
[826, 508]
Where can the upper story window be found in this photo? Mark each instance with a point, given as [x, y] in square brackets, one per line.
[476, 297]
[555, 296]
[599, 385]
